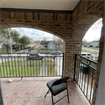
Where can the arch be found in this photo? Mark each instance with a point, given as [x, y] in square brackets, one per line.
[81, 27]
[58, 24]
[34, 27]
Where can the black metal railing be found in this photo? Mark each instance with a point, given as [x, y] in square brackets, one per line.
[24, 65]
[84, 74]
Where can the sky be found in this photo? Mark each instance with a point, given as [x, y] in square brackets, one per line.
[34, 33]
[94, 31]
[92, 34]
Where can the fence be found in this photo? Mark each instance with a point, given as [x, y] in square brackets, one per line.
[84, 74]
[23, 65]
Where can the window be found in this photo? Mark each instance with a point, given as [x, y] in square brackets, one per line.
[51, 46]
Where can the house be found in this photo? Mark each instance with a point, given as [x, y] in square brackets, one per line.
[47, 45]
[94, 44]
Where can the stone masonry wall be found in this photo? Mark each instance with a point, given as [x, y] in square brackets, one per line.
[56, 23]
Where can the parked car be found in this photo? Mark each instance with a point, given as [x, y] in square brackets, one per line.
[86, 55]
[34, 56]
[89, 46]
[56, 53]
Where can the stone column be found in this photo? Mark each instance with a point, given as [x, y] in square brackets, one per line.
[72, 47]
[1, 96]
[100, 96]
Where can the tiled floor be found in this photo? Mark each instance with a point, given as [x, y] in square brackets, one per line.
[31, 91]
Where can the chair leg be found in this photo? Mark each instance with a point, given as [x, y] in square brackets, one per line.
[47, 93]
[52, 99]
[67, 95]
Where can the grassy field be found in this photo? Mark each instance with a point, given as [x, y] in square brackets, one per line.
[45, 51]
[93, 48]
[20, 68]
[51, 70]
[92, 52]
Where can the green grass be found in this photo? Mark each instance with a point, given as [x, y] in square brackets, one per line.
[93, 48]
[2, 50]
[51, 69]
[45, 51]
[92, 52]
[20, 68]
[26, 68]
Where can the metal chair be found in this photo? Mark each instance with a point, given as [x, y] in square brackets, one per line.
[57, 86]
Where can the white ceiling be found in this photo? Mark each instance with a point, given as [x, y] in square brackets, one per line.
[40, 4]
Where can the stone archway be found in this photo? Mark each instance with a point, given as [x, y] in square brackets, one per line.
[54, 23]
[61, 25]
[57, 24]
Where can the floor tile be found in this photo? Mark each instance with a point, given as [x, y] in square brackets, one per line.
[31, 91]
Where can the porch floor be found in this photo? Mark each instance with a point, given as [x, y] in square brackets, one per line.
[31, 91]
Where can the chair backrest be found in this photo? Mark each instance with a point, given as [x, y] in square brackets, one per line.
[61, 80]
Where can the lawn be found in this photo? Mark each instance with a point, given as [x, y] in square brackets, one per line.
[19, 68]
[92, 52]
[51, 68]
[93, 48]
[45, 51]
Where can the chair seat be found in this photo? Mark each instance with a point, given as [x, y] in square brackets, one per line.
[57, 86]
[49, 84]
[56, 89]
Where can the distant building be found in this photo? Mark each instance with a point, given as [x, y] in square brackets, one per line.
[94, 44]
[47, 45]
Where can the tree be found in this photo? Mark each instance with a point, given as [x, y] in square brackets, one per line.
[15, 35]
[84, 41]
[5, 37]
[24, 40]
[58, 42]
[45, 38]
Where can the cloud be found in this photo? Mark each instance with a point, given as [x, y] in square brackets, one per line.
[34, 34]
[94, 32]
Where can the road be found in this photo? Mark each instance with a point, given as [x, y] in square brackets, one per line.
[88, 49]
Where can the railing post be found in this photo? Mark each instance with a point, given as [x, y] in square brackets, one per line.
[74, 67]
[62, 64]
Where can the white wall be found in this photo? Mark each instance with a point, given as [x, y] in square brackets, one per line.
[100, 100]
[1, 96]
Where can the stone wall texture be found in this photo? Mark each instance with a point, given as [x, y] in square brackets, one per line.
[71, 27]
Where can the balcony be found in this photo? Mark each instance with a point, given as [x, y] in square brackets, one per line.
[30, 76]
[31, 91]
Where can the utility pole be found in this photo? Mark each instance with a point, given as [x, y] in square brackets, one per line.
[10, 43]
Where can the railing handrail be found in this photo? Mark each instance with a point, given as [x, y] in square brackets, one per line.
[86, 58]
[87, 64]
[84, 74]
[28, 66]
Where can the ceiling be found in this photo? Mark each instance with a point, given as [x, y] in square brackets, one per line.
[66, 5]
